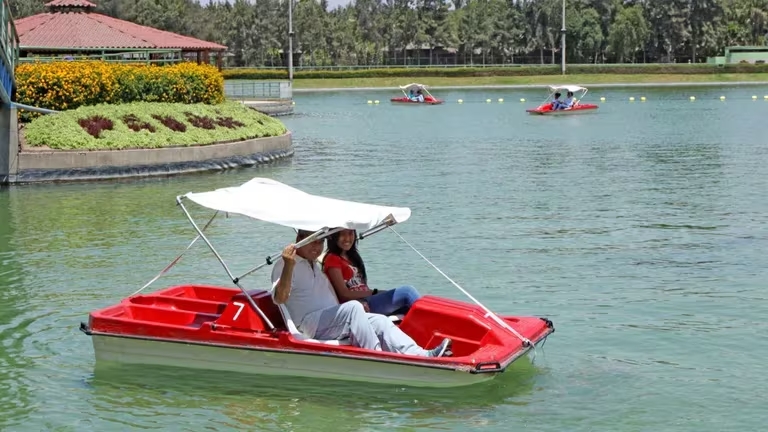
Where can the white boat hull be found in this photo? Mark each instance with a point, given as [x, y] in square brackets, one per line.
[129, 350]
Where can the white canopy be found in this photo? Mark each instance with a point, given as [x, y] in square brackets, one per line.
[271, 201]
[418, 86]
[568, 87]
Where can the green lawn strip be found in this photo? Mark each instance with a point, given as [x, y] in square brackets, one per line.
[584, 79]
[149, 125]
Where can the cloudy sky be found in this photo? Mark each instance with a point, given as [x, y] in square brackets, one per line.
[332, 3]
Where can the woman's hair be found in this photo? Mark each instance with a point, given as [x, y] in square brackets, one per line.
[352, 254]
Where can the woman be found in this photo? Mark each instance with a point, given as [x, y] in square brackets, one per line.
[346, 271]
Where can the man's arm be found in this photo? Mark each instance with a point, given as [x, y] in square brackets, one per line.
[283, 287]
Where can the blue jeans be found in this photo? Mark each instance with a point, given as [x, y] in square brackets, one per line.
[395, 300]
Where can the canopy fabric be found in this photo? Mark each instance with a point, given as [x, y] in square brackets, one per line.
[420, 86]
[271, 201]
[570, 88]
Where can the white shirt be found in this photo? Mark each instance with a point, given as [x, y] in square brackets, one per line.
[311, 293]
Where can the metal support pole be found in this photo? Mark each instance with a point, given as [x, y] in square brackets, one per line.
[290, 41]
[562, 42]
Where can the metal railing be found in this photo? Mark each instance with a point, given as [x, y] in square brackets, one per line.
[10, 51]
[139, 56]
[251, 89]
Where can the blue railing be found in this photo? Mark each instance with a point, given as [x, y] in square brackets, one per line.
[9, 49]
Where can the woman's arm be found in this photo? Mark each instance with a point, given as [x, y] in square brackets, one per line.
[340, 286]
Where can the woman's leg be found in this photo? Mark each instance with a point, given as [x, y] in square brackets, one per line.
[387, 302]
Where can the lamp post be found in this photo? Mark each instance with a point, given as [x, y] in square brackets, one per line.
[562, 42]
[290, 41]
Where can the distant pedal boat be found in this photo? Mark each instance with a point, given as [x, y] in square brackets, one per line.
[577, 108]
[405, 99]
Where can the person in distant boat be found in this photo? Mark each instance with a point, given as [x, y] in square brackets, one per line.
[345, 269]
[419, 96]
[569, 101]
[299, 284]
[556, 103]
[411, 95]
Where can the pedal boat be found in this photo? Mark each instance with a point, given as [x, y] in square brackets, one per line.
[405, 99]
[242, 330]
[578, 108]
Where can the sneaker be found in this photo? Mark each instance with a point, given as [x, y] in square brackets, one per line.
[442, 350]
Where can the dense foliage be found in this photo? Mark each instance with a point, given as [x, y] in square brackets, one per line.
[71, 84]
[149, 125]
[481, 31]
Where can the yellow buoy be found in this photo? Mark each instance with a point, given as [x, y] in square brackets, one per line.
[370, 101]
[602, 99]
[754, 97]
[522, 99]
[293, 102]
[642, 98]
[375, 102]
[765, 97]
[461, 100]
[631, 98]
[722, 97]
[693, 98]
[501, 100]
[488, 101]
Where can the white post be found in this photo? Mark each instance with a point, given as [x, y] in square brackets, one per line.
[290, 41]
[562, 42]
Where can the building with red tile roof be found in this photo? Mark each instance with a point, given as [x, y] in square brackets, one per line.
[72, 26]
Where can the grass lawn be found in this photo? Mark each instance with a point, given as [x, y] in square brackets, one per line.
[585, 79]
[148, 125]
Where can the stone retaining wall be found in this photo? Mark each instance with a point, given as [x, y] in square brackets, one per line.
[71, 165]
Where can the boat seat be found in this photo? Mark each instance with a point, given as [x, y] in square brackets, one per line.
[294, 331]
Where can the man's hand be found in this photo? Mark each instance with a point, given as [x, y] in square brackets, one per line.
[283, 288]
[289, 253]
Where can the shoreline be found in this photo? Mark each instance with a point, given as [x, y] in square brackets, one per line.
[544, 86]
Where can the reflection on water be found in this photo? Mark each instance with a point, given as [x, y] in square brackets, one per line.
[277, 403]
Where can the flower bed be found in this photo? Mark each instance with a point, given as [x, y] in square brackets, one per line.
[149, 125]
[66, 85]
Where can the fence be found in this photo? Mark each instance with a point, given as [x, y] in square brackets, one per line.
[249, 89]
[141, 56]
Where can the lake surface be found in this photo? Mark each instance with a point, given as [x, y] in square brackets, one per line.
[641, 230]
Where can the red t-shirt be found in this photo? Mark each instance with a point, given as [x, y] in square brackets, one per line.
[348, 272]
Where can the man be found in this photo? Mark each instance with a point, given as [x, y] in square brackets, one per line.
[556, 104]
[300, 284]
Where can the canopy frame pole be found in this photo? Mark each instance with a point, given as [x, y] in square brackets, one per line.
[525, 341]
[226, 268]
[320, 234]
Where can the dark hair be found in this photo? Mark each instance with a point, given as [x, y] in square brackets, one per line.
[353, 255]
[557, 95]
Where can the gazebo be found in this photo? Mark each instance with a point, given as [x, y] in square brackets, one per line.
[72, 27]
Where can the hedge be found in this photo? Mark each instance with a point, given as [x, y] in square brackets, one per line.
[149, 125]
[620, 69]
[63, 85]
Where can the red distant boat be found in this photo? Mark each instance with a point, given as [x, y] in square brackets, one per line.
[577, 108]
[412, 93]
[218, 328]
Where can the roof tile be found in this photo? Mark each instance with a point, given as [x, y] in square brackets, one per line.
[92, 30]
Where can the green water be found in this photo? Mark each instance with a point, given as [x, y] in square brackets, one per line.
[640, 230]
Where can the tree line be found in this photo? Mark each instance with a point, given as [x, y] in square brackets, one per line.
[372, 32]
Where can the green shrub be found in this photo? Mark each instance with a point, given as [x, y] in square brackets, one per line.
[149, 125]
[621, 69]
